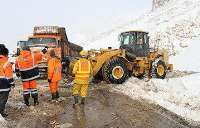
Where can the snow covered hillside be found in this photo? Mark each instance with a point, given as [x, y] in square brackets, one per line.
[170, 27]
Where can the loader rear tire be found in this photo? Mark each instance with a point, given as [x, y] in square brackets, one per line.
[115, 71]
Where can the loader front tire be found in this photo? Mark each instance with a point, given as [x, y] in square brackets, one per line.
[115, 71]
[160, 69]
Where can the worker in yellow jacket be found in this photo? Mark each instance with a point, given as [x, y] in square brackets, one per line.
[82, 71]
[54, 74]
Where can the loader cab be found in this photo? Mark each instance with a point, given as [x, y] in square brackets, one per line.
[136, 43]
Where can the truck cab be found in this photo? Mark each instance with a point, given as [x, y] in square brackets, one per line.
[39, 42]
[52, 37]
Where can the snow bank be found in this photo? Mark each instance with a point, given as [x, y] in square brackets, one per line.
[179, 95]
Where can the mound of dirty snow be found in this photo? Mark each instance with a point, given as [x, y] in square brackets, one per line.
[179, 95]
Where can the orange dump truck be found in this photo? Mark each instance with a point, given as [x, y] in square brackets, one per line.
[53, 37]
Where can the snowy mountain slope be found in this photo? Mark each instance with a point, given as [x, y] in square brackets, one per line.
[170, 27]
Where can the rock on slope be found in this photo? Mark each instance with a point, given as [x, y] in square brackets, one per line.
[158, 3]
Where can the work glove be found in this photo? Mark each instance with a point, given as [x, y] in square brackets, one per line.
[12, 85]
[18, 74]
[49, 80]
[44, 50]
[16, 70]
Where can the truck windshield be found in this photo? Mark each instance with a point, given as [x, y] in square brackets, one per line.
[41, 41]
[21, 43]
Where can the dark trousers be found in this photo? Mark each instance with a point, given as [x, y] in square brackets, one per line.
[3, 100]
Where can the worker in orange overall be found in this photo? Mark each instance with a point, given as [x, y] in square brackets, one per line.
[26, 67]
[54, 74]
[82, 71]
[6, 78]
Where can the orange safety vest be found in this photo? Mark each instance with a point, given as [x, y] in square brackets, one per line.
[54, 69]
[6, 74]
[82, 69]
[26, 63]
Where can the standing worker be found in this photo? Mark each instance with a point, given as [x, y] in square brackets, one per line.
[6, 78]
[26, 65]
[82, 71]
[54, 74]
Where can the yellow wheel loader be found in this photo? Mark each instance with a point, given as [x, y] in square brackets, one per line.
[134, 57]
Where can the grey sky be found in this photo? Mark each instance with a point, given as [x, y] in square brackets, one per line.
[80, 17]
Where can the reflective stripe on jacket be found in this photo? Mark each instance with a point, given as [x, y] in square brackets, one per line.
[82, 70]
[54, 69]
[26, 63]
[6, 74]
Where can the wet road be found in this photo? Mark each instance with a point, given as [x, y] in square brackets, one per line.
[111, 110]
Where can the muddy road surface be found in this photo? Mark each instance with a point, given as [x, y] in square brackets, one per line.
[104, 108]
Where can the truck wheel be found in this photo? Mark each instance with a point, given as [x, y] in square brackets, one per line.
[115, 71]
[160, 69]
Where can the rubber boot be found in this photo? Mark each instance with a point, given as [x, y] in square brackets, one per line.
[35, 98]
[75, 101]
[3, 101]
[26, 99]
[83, 101]
[57, 95]
[53, 96]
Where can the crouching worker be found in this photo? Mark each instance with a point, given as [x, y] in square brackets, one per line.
[26, 67]
[6, 78]
[82, 71]
[54, 74]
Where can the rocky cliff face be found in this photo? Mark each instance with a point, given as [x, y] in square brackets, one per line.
[159, 3]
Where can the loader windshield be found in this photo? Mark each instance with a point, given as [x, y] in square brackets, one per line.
[127, 38]
[42, 41]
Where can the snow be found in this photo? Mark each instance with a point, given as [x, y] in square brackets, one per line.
[188, 59]
[179, 95]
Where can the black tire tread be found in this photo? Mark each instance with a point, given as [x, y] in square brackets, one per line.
[107, 71]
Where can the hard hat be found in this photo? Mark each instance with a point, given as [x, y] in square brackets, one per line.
[52, 53]
[84, 53]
